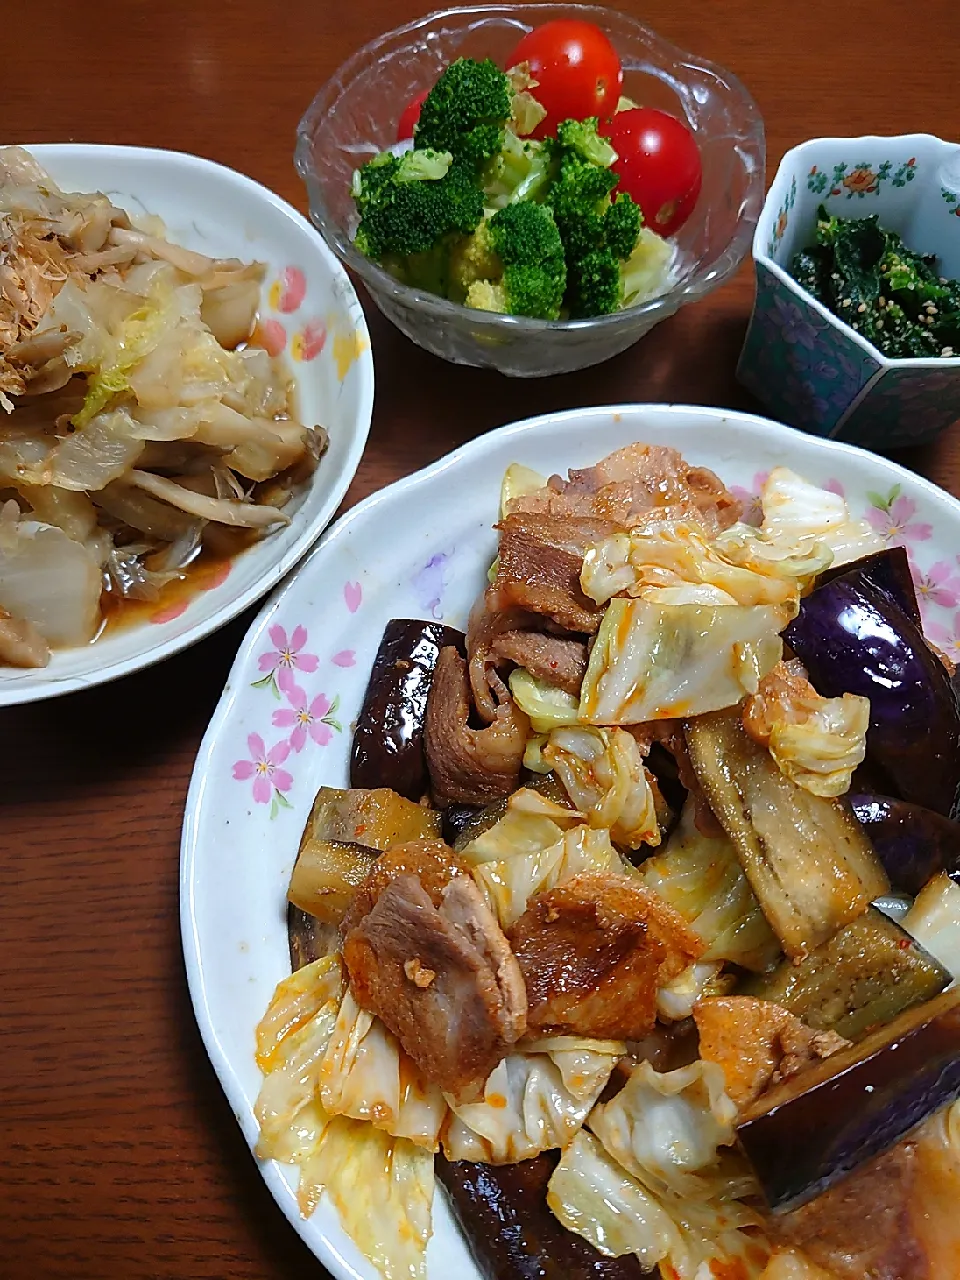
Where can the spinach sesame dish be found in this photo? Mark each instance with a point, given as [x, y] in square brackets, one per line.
[892, 296]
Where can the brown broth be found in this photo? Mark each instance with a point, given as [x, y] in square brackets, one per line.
[208, 570]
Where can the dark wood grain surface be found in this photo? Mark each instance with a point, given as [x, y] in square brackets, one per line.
[120, 1157]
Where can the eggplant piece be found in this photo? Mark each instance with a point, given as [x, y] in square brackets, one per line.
[808, 861]
[308, 939]
[378, 818]
[327, 875]
[913, 843]
[343, 835]
[852, 639]
[388, 739]
[888, 571]
[815, 1128]
[863, 977]
[457, 818]
[512, 1234]
[478, 819]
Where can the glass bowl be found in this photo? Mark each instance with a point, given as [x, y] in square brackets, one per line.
[354, 116]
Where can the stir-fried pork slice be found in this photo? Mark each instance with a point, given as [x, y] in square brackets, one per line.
[539, 564]
[632, 482]
[593, 952]
[558, 660]
[433, 863]
[21, 644]
[442, 978]
[469, 766]
[483, 627]
[758, 1043]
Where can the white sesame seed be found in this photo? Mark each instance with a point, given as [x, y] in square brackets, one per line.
[862, 307]
[882, 301]
[879, 324]
[947, 351]
[845, 302]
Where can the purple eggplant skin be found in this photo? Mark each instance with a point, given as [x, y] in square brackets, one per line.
[888, 572]
[388, 739]
[456, 818]
[810, 1131]
[913, 843]
[510, 1231]
[852, 639]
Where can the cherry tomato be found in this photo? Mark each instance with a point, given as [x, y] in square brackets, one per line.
[410, 116]
[658, 162]
[577, 71]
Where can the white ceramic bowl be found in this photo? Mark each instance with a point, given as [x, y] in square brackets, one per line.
[421, 548]
[309, 309]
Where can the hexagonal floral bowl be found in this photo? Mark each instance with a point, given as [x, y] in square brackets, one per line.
[808, 367]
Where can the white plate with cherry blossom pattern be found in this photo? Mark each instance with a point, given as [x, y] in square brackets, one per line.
[309, 314]
[421, 548]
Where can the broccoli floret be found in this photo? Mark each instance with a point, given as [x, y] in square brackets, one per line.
[593, 285]
[465, 112]
[621, 227]
[406, 209]
[581, 138]
[521, 170]
[513, 263]
[598, 235]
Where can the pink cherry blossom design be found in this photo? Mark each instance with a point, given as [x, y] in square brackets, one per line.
[834, 486]
[353, 595]
[288, 653]
[345, 658]
[939, 585]
[893, 523]
[305, 716]
[264, 767]
[947, 639]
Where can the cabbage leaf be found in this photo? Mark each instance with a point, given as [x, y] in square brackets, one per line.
[701, 877]
[602, 772]
[367, 1076]
[673, 553]
[651, 1179]
[533, 1101]
[658, 662]
[509, 884]
[545, 704]
[934, 920]
[382, 1188]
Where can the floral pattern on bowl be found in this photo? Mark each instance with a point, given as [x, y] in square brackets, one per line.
[803, 363]
[310, 716]
[859, 179]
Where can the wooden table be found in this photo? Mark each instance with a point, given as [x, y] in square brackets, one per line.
[120, 1156]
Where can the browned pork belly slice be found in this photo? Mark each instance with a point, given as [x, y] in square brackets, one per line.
[758, 1043]
[539, 564]
[593, 952]
[466, 765]
[632, 482]
[438, 971]
[558, 660]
